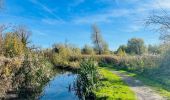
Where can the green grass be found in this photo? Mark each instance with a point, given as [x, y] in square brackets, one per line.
[113, 88]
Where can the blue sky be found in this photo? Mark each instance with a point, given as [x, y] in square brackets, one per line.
[54, 21]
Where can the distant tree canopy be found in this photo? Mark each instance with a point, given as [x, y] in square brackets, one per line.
[136, 46]
[100, 46]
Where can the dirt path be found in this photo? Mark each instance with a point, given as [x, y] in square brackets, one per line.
[142, 92]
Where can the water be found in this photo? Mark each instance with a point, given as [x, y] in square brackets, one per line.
[58, 88]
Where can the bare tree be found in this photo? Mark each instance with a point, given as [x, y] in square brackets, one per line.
[162, 22]
[99, 44]
[23, 33]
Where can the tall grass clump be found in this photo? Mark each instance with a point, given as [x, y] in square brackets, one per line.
[87, 80]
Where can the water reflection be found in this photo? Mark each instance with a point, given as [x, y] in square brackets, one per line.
[58, 88]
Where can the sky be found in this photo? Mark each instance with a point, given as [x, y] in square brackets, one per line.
[57, 21]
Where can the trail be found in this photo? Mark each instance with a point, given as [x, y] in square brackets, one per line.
[142, 91]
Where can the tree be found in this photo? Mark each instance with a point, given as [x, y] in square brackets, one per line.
[23, 33]
[99, 44]
[87, 50]
[163, 24]
[135, 46]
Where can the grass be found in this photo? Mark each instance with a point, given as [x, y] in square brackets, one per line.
[113, 88]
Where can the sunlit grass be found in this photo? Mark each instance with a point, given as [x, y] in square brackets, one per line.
[113, 88]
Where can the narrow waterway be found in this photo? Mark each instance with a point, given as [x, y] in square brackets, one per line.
[58, 88]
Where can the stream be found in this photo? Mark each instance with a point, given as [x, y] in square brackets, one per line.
[58, 88]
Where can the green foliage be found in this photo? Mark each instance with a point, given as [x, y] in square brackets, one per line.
[136, 46]
[87, 80]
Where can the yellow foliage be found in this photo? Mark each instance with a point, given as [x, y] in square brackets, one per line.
[13, 45]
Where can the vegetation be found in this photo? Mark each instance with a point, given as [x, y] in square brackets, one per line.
[100, 46]
[135, 46]
[65, 56]
[154, 49]
[87, 80]
[106, 87]
[87, 50]
[22, 69]
[113, 88]
[26, 70]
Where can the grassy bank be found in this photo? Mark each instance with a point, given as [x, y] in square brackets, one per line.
[113, 88]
